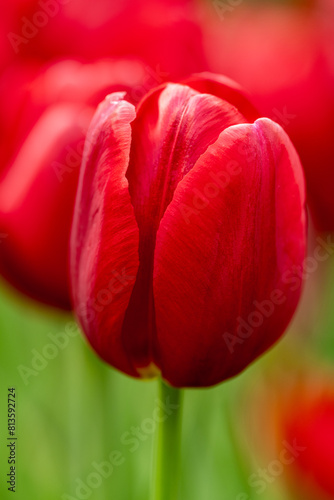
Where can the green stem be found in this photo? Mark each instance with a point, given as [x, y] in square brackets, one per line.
[166, 464]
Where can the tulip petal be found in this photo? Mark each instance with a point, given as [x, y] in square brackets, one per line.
[173, 128]
[238, 211]
[105, 236]
[44, 174]
[225, 88]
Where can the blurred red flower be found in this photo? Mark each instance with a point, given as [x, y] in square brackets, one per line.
[296, 409]
[284, 56]
[310, 421]
[188, 220]
[44, 119]
[162, 33]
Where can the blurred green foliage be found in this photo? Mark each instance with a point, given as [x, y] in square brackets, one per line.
[74, 411]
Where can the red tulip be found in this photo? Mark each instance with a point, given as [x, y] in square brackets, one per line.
[163, 33]
[189, 219]
[9, 21]
[300, 411]
[47, 119]
[284, 57]
[311, 422]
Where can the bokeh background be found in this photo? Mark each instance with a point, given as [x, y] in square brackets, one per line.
[72, 409]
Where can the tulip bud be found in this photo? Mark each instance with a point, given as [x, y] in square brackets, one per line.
[189, 221]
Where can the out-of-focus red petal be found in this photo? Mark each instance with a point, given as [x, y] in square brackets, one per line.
[312, 424]
[163, 34]
[71, 81]
[233, 233]
[174, 126]
[225, 88]
[44, 115]
[36, 205]
[105, 236]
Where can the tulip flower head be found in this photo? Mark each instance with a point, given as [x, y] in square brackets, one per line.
[188, 223]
